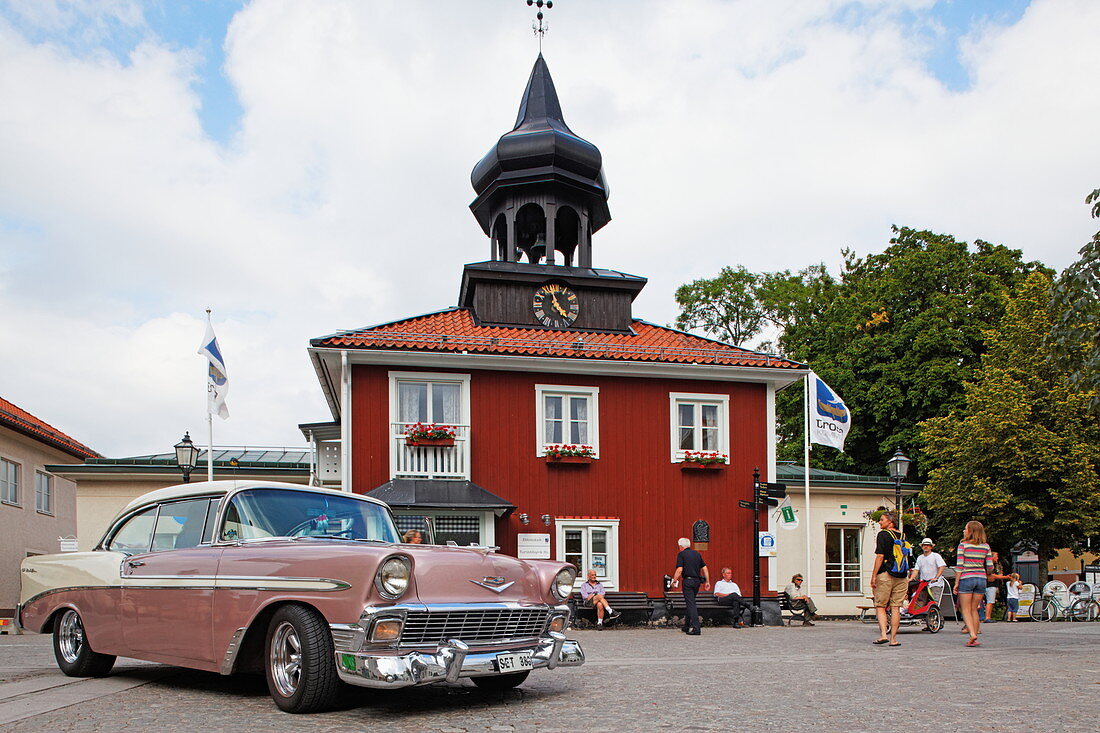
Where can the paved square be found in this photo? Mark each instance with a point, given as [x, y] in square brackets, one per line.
[829, 677]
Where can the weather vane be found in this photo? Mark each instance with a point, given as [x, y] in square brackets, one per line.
[538, 26]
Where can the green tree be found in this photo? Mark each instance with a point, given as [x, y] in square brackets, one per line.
[1022, 453]
[739, 305]
[1075, 335]
[897, 337]
[725, 306]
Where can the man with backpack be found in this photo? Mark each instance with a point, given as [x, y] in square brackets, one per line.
[890, 577]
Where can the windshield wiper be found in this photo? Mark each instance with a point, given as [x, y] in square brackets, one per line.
[338, 537]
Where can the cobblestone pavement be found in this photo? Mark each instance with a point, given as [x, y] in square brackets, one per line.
[829, 677]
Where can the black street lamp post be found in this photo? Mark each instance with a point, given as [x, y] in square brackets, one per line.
[186, 456]
[898, 466]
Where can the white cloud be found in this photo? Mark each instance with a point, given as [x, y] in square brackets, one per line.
[763, 134]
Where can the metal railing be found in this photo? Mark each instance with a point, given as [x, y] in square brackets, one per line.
[430, 461]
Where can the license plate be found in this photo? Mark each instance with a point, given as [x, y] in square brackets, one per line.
[513, 662]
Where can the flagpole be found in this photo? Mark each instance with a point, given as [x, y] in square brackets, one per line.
[806, 472]
[209, 423]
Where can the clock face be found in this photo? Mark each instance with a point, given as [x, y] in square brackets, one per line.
[556, 306]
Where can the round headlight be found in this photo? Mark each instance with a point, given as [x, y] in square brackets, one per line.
[393, 577]
[563, 583]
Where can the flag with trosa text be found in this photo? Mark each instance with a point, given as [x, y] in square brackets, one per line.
[217, 380]
[830, 419]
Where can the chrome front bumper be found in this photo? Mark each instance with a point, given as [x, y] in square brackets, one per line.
[450, 662]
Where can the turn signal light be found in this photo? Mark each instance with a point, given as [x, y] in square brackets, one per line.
[557, 624]
[386, 630]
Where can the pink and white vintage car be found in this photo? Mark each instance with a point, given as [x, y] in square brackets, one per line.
[311, 586]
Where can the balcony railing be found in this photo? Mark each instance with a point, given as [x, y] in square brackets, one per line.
[430, 461]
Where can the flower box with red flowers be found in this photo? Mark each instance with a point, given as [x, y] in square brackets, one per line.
[558, 454]
[704, 460]
[429, 434]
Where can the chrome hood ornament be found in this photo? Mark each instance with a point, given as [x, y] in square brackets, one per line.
[494, 583]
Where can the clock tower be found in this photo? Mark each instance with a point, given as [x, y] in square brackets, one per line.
[541, 194]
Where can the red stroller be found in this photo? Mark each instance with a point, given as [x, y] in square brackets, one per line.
[923, 607]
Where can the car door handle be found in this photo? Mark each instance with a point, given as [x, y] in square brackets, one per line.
[135, 563]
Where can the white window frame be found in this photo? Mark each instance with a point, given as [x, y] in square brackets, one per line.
[567, 390]
[48, 493]
[858, 561]
[16, 469]
[486, 519]
[612, 527]
[677, 398]
[463, 380]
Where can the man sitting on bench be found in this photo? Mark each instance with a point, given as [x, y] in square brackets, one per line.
[593, 594]
[800, 601]
[728, 594]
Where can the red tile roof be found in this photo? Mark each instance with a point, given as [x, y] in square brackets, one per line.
[454, 330]
[22, 421]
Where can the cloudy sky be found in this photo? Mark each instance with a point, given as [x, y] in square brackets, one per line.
[303, 168]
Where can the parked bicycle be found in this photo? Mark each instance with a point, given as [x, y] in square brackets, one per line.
[1059, 602]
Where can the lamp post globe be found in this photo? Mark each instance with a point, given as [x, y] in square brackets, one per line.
[186, 456]
[898, 467]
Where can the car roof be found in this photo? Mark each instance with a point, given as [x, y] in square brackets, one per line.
[221, 488]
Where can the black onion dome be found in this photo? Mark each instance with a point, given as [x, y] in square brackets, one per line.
[541, 145]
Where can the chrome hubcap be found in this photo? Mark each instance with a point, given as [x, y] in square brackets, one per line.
[286, 659]
[70, 636]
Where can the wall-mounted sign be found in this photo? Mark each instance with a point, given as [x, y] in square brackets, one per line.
[533, 546]
[700, 532]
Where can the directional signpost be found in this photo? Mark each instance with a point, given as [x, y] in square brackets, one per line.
[763, 494]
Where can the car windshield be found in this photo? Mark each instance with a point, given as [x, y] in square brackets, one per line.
[260, 513]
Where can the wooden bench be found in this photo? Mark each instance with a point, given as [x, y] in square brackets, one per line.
[706, 602]
[634, 603]
[788, 613]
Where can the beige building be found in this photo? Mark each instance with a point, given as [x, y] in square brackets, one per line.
[842, 542]
[37, 506]
[106, 485]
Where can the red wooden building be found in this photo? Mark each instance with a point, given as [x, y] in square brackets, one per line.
[542, 351]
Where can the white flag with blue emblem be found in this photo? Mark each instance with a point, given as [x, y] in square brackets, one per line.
[830, 419]
[217, 380]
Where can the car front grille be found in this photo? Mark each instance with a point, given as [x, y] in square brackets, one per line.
[473, 626]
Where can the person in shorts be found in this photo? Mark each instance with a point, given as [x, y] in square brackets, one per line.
[593, 594]
[975, 563]
[889, 588]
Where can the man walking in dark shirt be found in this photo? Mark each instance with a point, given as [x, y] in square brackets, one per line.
[693, 571]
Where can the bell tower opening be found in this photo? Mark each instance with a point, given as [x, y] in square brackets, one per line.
[531, 232]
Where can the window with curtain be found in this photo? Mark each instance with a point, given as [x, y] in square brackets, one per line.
[567, 415]
[429, 402]
[842, 559]
[699, 423]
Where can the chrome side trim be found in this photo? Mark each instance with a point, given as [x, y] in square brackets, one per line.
[211, 582]
[52, 591]
[231, 651]
[233, 582]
